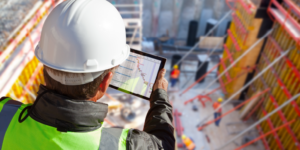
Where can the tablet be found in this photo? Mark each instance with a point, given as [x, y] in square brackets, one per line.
[138, 74]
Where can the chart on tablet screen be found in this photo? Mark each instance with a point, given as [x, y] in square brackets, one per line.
[137, 74]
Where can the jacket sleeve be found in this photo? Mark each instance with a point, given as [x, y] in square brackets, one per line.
[158, 129]
[159, 119]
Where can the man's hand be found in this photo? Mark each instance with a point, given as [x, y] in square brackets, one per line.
[161, 82]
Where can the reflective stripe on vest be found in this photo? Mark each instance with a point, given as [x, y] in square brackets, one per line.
[113, 138]
[7, 112]
[32, 134]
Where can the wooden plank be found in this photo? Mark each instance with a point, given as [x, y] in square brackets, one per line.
[251, 58]
[211, 42]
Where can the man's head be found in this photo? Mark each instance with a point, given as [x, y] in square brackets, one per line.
[93, 90]
[81, 42]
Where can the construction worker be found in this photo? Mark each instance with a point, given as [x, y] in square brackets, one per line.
[82, 42]
[218, 113]
[189, 144]
[174, 75]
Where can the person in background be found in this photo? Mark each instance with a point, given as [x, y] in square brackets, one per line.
[189, 144]
[218, 113]
[174, 75]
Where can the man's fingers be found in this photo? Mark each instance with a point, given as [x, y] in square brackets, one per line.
[162, 73]
[161, 82]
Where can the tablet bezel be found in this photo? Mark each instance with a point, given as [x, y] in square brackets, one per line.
[162, 65]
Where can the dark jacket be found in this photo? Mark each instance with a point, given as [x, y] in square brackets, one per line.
[66, 114]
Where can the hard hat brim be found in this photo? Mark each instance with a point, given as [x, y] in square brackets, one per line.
[121, 59]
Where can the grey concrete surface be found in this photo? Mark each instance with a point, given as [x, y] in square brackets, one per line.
[208, 9]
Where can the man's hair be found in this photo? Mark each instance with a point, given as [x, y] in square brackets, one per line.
[79, 92]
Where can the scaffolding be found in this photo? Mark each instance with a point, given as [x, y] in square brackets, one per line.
[21, 72]
[132, 16]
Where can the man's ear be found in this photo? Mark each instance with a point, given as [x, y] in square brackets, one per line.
[105, 83]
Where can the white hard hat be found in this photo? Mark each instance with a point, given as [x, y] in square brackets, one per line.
[83, 36]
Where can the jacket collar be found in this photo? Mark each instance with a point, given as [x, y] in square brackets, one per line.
[66, 114]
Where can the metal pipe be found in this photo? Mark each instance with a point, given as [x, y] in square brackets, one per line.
[211, 52]
[259, 121]
[133, 36]
[233, 79]
[221, 86]
[250, 82]
[208, 33]
[208, 55]
[203, 76]
[264, 135]
[238, 59]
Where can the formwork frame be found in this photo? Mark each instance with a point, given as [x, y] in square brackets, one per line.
[259, 121]
[285, 85]
[248, 21]
[250, 82]
[28, 73]
[284, 77]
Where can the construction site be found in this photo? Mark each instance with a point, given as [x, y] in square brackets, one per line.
[239, 82]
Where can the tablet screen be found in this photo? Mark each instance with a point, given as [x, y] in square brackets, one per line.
[137, 74]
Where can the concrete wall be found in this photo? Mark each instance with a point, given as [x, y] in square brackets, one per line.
[156, 27]
[208, 9]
